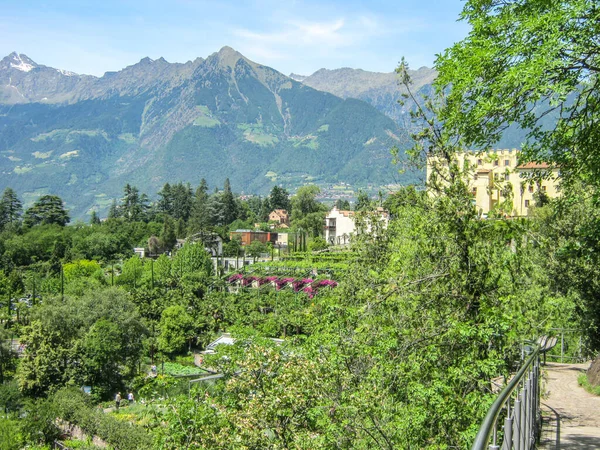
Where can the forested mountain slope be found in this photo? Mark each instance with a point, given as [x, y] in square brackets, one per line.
[84, 137]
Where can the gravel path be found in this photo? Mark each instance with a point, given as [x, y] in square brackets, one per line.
[571, 415]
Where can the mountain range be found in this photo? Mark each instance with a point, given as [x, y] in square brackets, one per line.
[382, 90]
[84, 137]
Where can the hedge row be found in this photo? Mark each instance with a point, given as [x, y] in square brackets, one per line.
[73, 407]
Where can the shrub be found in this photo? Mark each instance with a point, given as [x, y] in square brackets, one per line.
[73, 406]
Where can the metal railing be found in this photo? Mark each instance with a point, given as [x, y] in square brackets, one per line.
[518, 405]
[570, 347]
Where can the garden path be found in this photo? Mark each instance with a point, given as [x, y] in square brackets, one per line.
[571, 414]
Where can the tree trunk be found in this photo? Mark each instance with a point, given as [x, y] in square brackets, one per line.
[593, 373]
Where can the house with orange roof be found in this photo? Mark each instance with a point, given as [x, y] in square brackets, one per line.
[280, 217]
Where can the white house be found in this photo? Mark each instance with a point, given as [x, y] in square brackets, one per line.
[340, 225]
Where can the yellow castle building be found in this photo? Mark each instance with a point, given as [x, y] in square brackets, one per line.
[499, 182]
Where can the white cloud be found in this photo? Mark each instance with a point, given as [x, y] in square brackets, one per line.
[324, 42]
[296, 33]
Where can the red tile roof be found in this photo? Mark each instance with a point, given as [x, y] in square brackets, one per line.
[534, 165]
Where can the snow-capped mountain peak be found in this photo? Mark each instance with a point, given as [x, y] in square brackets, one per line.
[66, 72]
[21, 62]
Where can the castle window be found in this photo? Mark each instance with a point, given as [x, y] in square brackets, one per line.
[496, 163]
[506, 177]
[531, 188]
[526, 203]
[474, 191]
[479, 162]
[506, 163]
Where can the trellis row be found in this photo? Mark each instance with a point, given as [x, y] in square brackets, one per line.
[307, 285]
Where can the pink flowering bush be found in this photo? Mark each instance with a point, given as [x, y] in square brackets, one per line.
[310, 291]
[298, 285]
[236, 277]
[308, 285]
[280, 283]
[261, 280]
[325, 283]
[247, 281]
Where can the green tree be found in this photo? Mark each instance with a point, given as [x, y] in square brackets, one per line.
[536, 65]
[165, 201]
[45, 361]
[133, 270]
[168, 238]
[11, 399]
[363, 202]
[192, 259]
[342, 205]
[38, 424]
[10, 434]
[255, 249]
[113, 211]
[229, 204]
[8, 361]
[276, 401]
[199, 219]
[279, 198]
[317, 243]
[133, 206]
[216, 211]
[48, 209]
[180, 229]
[10, 208]
[528, 62]
[102, 357]
[308, 215]
[182, 201]
[311, 223]
[233, 248]
[81, 269]
[58, 342]
[406, 196]
[569, 237]
[305, 201]
[176, 328]
[94, 218]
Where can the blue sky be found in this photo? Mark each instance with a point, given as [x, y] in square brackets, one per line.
[291, 36]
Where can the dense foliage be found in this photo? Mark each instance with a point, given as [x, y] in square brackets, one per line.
[395, 344]
[398, 355]
[523, 62]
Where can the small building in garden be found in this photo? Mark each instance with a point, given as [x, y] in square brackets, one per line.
[226, 339]
[247, 236]
[281, 240]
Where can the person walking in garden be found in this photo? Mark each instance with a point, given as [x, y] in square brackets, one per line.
[130, 398]
[118, 400]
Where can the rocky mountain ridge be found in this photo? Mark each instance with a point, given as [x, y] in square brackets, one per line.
[381, 90]
[84, 137]
[24, 81]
